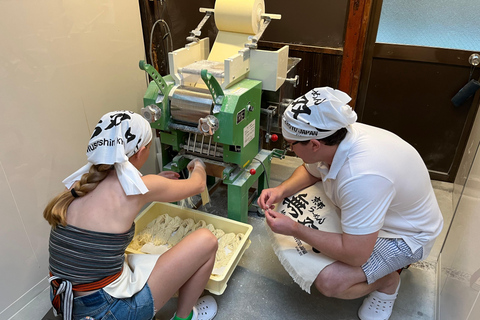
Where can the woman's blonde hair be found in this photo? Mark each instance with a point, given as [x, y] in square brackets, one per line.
[56, 210]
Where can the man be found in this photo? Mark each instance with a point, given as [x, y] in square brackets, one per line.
[388, 210]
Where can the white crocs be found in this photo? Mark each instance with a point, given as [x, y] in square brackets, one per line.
[206, 308]
[378, 305]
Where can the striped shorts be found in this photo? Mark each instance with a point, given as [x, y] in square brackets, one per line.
[388, 256]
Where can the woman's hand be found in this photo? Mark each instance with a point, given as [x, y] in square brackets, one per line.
[169, 175]
[194, 163]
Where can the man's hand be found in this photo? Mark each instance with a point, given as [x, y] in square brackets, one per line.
[269, 197]
[280, 223]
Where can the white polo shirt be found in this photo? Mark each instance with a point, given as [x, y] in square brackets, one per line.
[380, 183]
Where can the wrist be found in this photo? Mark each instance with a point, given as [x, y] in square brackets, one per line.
[281, 191]
[296, 229]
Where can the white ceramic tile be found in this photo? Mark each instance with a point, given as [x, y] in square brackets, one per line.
[443, 194]
[467, 225]
[36, 308]
[18, 261]
[457, 233]
[468, 255]
[475, 312]
[460, 255]
[457, 299]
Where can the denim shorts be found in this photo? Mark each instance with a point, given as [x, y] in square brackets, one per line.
[101, 306]
[389, 255]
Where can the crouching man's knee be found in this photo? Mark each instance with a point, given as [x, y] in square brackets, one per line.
[328, 284]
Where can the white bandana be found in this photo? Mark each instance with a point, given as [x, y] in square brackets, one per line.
[117, 136]
[317, 115]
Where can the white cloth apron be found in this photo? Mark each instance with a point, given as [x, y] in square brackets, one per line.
[136, 271]
[311, 207]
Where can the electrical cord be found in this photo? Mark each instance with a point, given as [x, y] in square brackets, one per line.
[168, 34]
[260, 212]
[264, 170]
[163, 4]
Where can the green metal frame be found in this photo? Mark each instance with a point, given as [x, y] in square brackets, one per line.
[158, 87]
[238, 185]
[243, 102]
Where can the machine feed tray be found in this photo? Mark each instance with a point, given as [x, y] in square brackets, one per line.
[215, 68]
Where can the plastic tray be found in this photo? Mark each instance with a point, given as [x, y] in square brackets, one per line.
[217, 283]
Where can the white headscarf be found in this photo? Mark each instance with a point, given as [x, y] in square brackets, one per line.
[117, 136]
[317, 115]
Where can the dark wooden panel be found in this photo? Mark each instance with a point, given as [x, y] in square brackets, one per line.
[316, 70]
[412, 99]
[318, 23]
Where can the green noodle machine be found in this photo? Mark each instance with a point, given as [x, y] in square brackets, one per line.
[210, 107]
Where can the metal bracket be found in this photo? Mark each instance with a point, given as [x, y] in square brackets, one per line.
[214, 88]
[267, 18]
[194, 34]
[231, 172]
[178, 163]
[294, 81]
[278, 153]
[162, 85]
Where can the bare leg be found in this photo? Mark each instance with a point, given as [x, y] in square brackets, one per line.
[342, 281]
[186, 267]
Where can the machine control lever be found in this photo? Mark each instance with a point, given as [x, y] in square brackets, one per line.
[162, 85]
[214, 88]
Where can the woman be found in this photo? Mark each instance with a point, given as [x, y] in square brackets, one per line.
[93, 223]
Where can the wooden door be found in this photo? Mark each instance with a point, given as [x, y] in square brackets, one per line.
[407, 88]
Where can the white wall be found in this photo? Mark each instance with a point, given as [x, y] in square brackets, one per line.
[63, 64]
[460, 257]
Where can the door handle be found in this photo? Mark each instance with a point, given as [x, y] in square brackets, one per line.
[474, 59]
